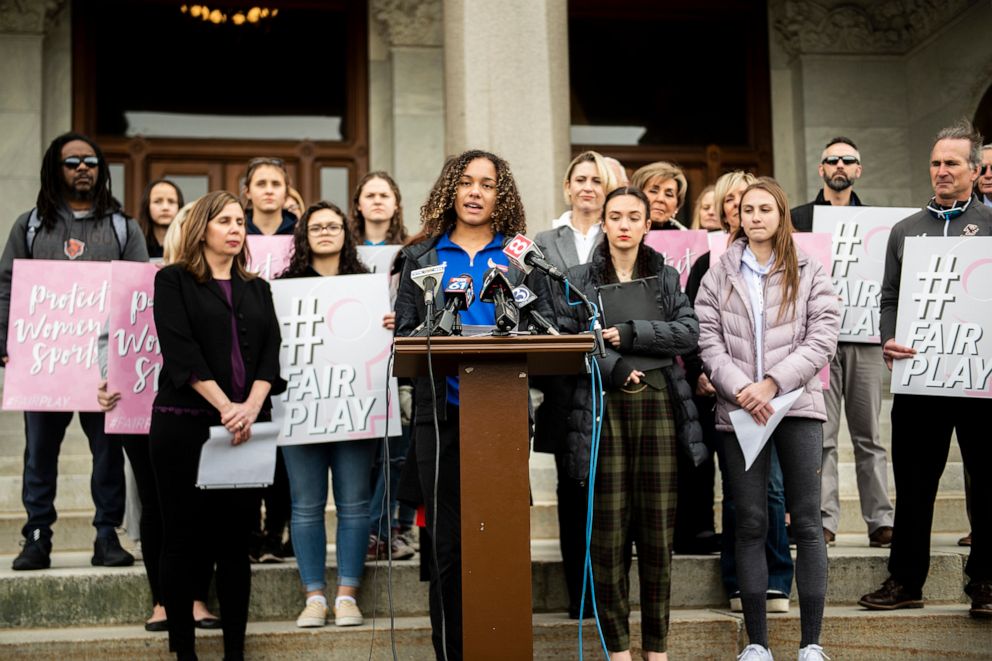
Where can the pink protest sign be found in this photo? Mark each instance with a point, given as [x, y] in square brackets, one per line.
[269, 255]
[718, 245]
[57, 312]
[134, 358]
[681, 249]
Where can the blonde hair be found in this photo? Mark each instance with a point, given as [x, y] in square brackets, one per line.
[295, 194]
[723, 186]
[666, 171]
[171, 245]
[698, 207]
[602, 169]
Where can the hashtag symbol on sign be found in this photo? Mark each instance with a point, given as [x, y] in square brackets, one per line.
[936, 285]
[844, 245]
[301, 330]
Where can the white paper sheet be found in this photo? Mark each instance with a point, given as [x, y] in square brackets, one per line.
[750, 435]
[250, 464]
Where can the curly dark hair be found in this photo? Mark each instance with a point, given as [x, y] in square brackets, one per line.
[51, 196]
[302, 256]
[645, 254]
[397, 232]
[437, 216]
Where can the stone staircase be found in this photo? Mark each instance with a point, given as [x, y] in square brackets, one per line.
[75, 611]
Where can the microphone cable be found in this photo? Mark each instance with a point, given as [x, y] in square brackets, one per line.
[598, 409]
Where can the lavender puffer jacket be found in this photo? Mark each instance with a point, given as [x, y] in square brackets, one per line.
[796, 347]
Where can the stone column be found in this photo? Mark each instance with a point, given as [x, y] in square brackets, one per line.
[507, 87]
[22, 34]
[407, 97]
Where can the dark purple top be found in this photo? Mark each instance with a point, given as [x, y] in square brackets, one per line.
[238, 376]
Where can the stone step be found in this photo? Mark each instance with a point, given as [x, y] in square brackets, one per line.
[74, 531]
[90, 596]
[935, 632]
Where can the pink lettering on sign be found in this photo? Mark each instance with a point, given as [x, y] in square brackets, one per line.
[681, 249]
[270, 255]
[134, 357]
[57, 311]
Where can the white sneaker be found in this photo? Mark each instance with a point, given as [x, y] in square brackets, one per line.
[346, 613]
[812, 653]
[755, 653]
[314, 615]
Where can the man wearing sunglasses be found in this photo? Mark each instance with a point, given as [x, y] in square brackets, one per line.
[76, 218]
[855, 378]
[984, 187]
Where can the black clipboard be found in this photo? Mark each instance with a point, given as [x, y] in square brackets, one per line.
[626, 301]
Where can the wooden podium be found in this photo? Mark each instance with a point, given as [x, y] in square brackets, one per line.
[494, 451]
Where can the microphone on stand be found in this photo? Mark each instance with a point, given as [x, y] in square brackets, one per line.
[524, 298]
[496, 289]
[526, 256]
[458, 295]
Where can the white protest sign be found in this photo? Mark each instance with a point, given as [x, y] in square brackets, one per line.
[334, 357]
[945, 307]
[860, 236]
[379, 259]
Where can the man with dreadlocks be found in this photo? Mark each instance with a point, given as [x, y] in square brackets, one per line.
[470, 214]
[76, 218]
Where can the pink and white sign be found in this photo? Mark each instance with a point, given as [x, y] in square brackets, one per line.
[945, 311]
[860, 237]
[334, 357]
[681, 249]
[270, 255]
[718, 245]
[57, 312]
[134, 357]
[817, 246]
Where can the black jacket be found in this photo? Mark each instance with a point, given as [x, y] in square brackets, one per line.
[194, 328]
[677, 335]
[411, 312]
[802, 216]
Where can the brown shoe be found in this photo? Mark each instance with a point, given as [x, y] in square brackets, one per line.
[965, 541]
[829, 537]
[890, 596]
[881, 538]
[981, 600]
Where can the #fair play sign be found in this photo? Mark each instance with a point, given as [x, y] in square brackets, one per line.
[945, 309]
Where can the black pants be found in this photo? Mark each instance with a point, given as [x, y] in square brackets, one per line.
[446, 570]
[573, 505]
[921, 439]
[44, 433]
[194, 519]
[694, 507]
[150, 526]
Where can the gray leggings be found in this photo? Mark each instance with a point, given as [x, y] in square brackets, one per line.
[799, 442]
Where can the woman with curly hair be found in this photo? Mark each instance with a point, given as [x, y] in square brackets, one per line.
[471, 212]
[323, 247]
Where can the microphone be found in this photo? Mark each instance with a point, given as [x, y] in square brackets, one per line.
[524, 298]
[429, 280]
[496, 289]
[526, 256]
[458, 295]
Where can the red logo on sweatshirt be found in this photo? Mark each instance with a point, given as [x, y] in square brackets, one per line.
[74, 248]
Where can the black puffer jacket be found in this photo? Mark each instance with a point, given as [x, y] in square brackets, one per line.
[675, 336]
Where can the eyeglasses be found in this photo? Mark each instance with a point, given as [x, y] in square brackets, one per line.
[332, 230]
[73, 162]
[846, 160]
[984, 169]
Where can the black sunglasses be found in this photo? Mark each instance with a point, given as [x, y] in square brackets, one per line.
[73, 162]
[846, 160]
[983, 169]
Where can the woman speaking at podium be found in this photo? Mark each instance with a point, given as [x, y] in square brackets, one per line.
[769, 321]
[470, 212]
[648, 412]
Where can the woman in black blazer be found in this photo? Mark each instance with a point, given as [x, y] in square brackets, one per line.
[220, 348]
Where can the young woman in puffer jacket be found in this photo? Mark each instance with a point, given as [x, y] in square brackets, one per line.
[769, 320]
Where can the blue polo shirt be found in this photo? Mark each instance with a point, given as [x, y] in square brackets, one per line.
[458, 262]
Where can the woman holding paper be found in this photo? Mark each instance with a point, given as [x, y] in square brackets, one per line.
[648, 412]
[769, 321]
[220, 363]
[323, 247]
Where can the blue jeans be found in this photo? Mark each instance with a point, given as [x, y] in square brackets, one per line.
[350, 463]
[45, 432]
[379, 524]
[780, 567]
